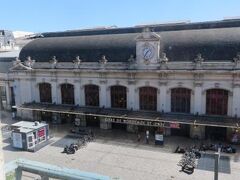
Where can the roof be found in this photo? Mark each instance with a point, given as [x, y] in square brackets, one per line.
[117, 48]
[6, 60]
[178, 26]
[182, 42]
[28, 125]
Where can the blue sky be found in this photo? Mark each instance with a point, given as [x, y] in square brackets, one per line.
[59, 15]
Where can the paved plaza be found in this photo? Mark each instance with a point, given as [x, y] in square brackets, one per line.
[117, 154]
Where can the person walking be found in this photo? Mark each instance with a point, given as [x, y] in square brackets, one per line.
[138, 137]
[147, 136]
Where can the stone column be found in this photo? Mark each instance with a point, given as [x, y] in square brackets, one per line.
[27, 114]
[8, 96]
[25, 91]
[197, 131]
[198, 99]
[131, 97]
[36, 93]
[136, 99]
[132, 128]
[105, 125]
[168, 100]
[35, 96]
[1, 103]
[83, 121]
[18, 98]
[54, 85]
[17, 92]
[82, 96]
[162, 98]
[236, 100]
[103, 95]
[77, 92]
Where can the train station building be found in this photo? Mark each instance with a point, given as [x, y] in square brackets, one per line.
[182, 79]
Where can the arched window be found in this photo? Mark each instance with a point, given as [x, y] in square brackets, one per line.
[118, 97]
[45, 93]
[180, 100]
[91, 95]
[67, 92]
[148, 98]
[216, 102]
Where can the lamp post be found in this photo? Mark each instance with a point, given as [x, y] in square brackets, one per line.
[216, 164]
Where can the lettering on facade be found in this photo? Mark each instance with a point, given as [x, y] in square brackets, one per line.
[142, 122]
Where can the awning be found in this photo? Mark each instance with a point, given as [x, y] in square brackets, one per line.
[151, 118]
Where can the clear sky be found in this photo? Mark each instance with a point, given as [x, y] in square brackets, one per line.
[59, 15]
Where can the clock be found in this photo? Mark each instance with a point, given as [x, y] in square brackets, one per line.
[147, 51]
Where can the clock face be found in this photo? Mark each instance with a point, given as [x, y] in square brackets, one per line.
[148, 52]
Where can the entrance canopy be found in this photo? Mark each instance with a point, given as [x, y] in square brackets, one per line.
[147, 118]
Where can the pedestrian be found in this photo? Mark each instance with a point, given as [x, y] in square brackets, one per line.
[147, 137]
[138, 137]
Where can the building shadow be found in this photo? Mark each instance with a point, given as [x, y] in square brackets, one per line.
[206, 162]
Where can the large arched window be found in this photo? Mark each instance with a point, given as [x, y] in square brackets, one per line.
[91, 95]
[148, 98]
[217, 102]
[45, 93]
[67, 92]
[180, 100]
[118, 97]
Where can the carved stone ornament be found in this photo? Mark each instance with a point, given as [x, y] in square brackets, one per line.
[103, 60]
[198, 61]
[198, 84]
[131, 59]
[236, 60]
[146, 61]
[54, 62]
[17, 61]
[216, 85]
[77, 62]
[199, 58]
[236, 85]
[164, 58]
[29, 62]
[180, 84]
[162, 83]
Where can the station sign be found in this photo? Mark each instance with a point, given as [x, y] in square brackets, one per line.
[142, 122]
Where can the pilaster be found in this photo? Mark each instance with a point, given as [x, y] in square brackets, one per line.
[236, 100]
[55, 94]
[8, 96]
[198, 98]
[103, 95]
[77, 92]
[162, 97]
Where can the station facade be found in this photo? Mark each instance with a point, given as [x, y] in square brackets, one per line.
[182, 78]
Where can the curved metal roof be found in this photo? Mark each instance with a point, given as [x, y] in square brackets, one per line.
[181, 45]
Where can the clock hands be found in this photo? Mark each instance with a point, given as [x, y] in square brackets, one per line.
[147, 53]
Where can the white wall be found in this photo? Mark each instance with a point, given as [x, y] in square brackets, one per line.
[27, 89]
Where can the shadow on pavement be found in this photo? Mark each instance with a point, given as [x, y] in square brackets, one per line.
[206, 162]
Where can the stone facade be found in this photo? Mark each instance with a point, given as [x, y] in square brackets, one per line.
[150, 68]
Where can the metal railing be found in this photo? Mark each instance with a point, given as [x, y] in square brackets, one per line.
[46, 171]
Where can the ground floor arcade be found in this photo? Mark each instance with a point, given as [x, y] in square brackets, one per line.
[198, 127]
